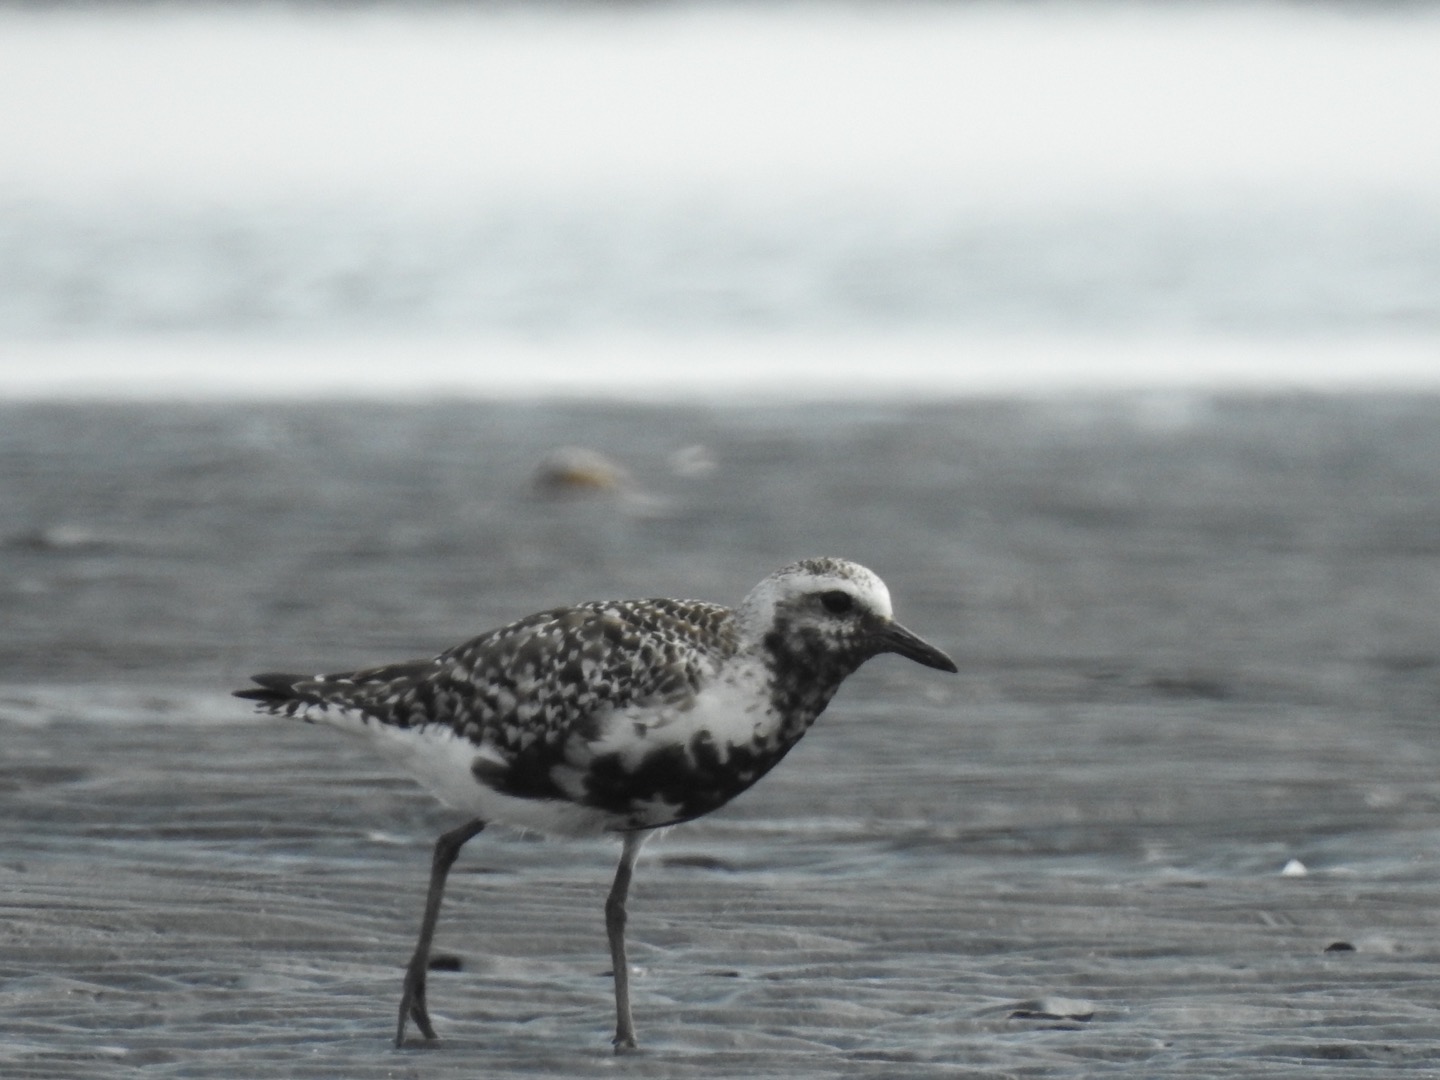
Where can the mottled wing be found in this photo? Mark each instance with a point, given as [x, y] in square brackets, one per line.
[532, 686]
[522, 690]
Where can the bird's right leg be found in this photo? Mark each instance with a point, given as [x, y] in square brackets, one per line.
[412, 1001]
[615, 919]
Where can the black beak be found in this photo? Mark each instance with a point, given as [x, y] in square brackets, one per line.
[892, 637]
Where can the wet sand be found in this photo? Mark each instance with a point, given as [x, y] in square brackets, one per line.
[239, 897]
[1190, 654]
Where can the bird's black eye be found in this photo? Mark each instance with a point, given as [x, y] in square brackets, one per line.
[837, 602]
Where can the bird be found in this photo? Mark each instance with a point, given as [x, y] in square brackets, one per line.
[608, 717]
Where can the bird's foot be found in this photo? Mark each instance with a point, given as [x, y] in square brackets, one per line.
[412, 1001]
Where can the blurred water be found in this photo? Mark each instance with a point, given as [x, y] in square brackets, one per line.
[717, 173]
[1357, 267]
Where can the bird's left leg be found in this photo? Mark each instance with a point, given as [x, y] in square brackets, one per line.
[615, 928]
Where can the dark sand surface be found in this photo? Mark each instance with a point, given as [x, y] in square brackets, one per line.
[1199, 638]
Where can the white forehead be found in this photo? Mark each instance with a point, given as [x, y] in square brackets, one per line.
[822, 575]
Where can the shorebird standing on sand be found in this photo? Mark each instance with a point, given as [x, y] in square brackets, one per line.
[609, 717]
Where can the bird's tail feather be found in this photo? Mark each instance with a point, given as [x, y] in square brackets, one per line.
[278, 693]
[370, 691]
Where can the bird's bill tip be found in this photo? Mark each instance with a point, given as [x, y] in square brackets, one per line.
[895, 638]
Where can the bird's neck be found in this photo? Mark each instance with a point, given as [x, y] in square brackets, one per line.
[802, 675]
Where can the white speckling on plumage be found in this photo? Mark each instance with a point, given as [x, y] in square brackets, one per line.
[615, 716]
[589, 718]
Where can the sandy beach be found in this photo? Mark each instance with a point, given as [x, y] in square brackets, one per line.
[1198, 642]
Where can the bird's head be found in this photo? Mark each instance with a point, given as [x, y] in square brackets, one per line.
[830, 614]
